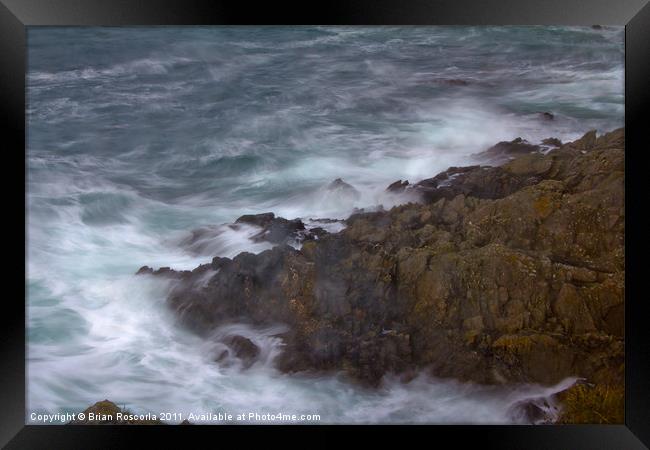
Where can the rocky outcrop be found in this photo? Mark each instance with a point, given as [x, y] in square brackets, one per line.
[398, 186]
[343, 189]
[474, 181]
[513, 273]
[265, 227]
[505, 151]
[552, 142]
[275, 230]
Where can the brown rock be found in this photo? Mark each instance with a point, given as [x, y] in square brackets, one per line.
[243, 348]
[398, 186]
[500, 274]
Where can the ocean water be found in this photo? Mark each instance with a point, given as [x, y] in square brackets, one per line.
[136, 136]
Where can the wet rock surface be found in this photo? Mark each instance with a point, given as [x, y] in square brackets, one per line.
[243, 348]
[513, 273]
[276, 230]
[398, 186]
[505, 151]
[264, 227]
[534, 411]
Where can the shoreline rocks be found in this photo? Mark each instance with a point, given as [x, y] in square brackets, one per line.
[275, 230]
[499, 274]
[552, 142]
[504, 151]
[398, 187]
[260, 228]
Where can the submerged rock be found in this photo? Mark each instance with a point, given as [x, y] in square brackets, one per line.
[243, 348]
[340, 187]
[512, 273]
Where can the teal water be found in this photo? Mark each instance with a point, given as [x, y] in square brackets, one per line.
[138, 135]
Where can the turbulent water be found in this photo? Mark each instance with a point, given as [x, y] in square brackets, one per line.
[136, 136]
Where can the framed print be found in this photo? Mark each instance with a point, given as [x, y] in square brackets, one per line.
[424, 216]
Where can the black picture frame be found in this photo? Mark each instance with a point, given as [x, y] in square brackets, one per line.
[16, 15]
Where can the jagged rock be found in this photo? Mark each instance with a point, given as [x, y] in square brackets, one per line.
[546, 115]
[243, 348]
[341, 187]
[553, 142]
[505, 151]
[260, 220]
[533, 411]
[272, 229]
[476, 181]
[500, 274]
[163, 271]
[144, 270]
[586, 142]
[278, 230]
[532, 165]
[275, 230]
[315, 233]
[398, 186]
